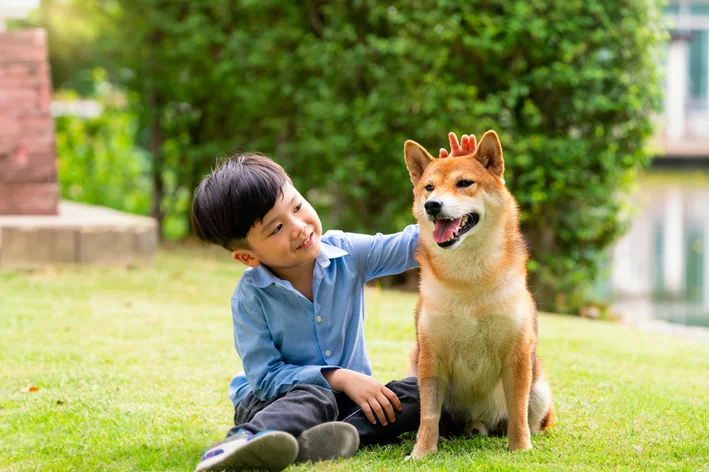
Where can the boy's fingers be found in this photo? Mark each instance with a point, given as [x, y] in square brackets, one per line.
[377, 408]
[473, 143]
[367, 410]
[453, 139]
[388, 409]
[464, 143]
[442, 154]
[392, 398]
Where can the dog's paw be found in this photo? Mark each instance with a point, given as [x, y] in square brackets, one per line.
[420, 452]
[524, 445]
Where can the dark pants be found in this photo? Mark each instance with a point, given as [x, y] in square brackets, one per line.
[305, 406]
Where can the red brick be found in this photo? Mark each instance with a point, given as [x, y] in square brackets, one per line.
[22, 54]
[45, 97]
[30, 81]
[21, 69]
[45, 144]
[35, 169]
[29, 199]
[9, 135]
[27, 37]
[34, 125]
[27, 147]
[19, 101]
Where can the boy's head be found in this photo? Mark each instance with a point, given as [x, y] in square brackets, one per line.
[248, 205]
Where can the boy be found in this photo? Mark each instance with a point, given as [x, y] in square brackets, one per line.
[306, 393]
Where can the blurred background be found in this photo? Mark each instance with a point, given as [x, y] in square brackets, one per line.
[601, 106]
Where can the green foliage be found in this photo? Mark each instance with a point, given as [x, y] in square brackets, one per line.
[98, 160]
[332, 89]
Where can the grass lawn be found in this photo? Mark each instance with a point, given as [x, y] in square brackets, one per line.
[133, 365]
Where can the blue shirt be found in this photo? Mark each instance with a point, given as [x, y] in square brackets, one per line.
[284, 339]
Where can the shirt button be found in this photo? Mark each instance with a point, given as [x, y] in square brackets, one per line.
[327, 353]
[318, 319]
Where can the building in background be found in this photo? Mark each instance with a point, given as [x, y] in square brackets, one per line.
[685, 125]
[661, 268]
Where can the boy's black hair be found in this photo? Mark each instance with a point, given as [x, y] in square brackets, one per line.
[234, 197]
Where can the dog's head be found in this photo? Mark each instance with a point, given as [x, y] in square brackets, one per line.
[454, 197]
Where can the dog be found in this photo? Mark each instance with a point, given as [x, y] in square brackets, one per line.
[476, 322]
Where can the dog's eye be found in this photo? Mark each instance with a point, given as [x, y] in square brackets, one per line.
[429, 188]
[464, 183]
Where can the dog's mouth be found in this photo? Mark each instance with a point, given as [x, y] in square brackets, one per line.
[448, 231]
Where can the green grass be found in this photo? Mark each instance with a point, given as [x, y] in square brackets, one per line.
[133, 367]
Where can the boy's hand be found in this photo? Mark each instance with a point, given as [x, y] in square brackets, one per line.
[375, 400]
[467, 146]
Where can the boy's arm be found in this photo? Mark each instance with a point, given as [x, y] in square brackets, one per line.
[266, 371]
[381, 254]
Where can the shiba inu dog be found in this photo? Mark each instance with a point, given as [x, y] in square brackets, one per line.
[476, 321]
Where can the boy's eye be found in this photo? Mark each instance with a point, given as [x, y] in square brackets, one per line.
[429, 188]
[275, 231]
[297, 209]
[464, 183]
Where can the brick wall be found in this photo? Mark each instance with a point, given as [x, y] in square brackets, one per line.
[28, 173]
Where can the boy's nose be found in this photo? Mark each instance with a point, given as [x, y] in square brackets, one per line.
[299, 230]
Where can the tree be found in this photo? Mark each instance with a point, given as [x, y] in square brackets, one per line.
[332, 88]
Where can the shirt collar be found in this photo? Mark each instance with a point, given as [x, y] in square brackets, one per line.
[262, 277]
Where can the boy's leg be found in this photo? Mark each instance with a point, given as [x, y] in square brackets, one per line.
[306, 412]
[301, 408]
[406, 420]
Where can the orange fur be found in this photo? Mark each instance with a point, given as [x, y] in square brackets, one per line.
[476, 319]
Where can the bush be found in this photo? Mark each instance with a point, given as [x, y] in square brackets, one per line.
[332, 89]
[570, 86]
[98, 160]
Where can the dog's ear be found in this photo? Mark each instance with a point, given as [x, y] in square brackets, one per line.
[417, 159]
[489, 153]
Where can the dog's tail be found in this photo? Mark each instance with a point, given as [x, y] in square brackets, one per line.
[548, 420]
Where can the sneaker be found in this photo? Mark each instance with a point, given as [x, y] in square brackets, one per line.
[328, 441]
[271, 450]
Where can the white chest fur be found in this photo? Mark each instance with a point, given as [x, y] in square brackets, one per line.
[471, 337]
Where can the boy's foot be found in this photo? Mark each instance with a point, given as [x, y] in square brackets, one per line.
[271, 450]
[328, 441]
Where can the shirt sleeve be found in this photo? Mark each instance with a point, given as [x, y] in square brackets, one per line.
[267, 373]
[381, 254]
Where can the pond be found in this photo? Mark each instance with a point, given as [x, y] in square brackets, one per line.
[660, 269]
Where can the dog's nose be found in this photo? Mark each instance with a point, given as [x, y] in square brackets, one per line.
[433, 207]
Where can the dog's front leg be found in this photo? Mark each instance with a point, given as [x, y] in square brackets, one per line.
[517, 383]
[432, 392]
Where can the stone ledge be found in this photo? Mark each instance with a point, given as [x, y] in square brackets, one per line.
[79, 234]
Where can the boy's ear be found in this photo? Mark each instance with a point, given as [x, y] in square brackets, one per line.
[417, 159]
[246, 257]
[489, 153]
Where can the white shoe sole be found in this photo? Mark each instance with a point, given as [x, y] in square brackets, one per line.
[327, 441]
[274, 452]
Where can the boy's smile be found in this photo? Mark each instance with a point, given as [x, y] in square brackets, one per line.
[307, 243]
[288, 237]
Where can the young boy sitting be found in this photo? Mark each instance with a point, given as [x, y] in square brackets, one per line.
[306, 393]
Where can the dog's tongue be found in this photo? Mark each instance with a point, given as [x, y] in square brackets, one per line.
[444, 229]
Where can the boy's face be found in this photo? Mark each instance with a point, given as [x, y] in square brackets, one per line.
[289, 234]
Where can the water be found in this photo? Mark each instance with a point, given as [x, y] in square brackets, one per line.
[660, 269]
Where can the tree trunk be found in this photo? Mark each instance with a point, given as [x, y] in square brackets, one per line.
[155, 111]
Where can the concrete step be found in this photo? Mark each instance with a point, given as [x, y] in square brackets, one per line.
[79, 234]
